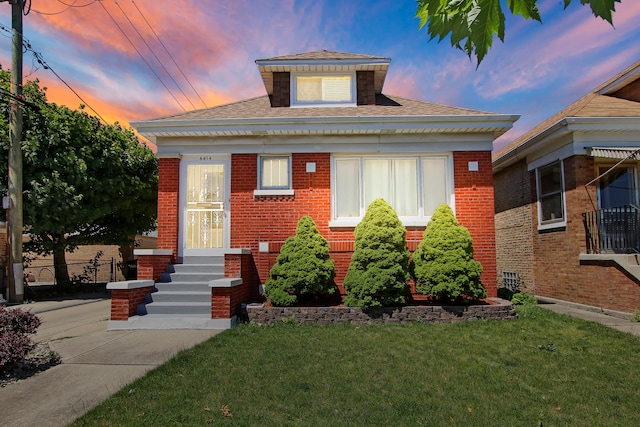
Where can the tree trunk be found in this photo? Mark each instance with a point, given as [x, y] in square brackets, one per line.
[60, 263]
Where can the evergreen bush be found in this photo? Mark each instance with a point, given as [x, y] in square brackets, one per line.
[303, 267]
[444, 267]
[379, 268]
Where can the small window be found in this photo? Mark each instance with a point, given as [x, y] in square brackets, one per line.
[274, 173]
[310, 90]
[550, 194]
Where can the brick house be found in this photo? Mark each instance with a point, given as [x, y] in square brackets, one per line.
[566, 201]
[324, 141]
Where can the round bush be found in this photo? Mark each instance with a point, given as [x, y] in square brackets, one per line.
[523, 298]
[379, 268]
[444, 267]
[302, 268]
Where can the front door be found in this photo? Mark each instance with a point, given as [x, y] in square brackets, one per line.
[205, 215]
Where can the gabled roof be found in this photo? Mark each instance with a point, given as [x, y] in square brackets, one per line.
[606, 107]
[323, 61]
[390, 114]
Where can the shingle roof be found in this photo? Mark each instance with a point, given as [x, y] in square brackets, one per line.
[593, 104]
[386, 106]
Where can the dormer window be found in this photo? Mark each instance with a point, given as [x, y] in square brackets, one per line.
[323, 90]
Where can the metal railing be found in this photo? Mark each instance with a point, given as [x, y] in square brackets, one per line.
[613, 230]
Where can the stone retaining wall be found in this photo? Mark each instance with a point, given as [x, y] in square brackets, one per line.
[498, 309]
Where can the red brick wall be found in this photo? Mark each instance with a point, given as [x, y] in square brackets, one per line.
[273, 219]
[168, 190]
[150, 266]
[475, 210]
[124, 302]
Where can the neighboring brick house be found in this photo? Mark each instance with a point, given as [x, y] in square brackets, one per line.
[324, 141]
[566, 204]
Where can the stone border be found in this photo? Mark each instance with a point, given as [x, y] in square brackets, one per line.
[498, 309]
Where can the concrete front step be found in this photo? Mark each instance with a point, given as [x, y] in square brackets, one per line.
[203, 260]
[181, 296]
[190, 277]
[198, 268]
[183, 287]
[178, 309]
[162, 321]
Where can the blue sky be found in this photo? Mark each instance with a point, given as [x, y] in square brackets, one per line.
[538, 70]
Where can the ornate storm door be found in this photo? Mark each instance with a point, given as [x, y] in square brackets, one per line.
[205, 217]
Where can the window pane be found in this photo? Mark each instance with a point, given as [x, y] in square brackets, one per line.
[308, 88]
[617, 188]
[434, 184]
[550, 179]
[551, 207]
[405, 186]
[377, 181]
[347, 188]
[336, 89]
[550, 193]
[275, 173]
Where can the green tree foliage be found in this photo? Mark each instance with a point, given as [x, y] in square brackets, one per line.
[473, 23]
[379, 269]
[302, 268]
[443, 263]
[84, 182]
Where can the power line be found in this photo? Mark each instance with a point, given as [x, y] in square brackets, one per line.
[26, 44]
[168, 53]
[141, 56]
[154, 55]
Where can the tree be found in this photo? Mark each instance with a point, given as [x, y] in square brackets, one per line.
[85, 182]
[302, 268]
[379, 268]
[444, 267]
[473, 23]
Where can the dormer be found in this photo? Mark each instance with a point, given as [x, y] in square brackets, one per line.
[323, 79]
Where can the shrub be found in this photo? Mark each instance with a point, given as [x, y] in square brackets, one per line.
[379, 268]
[443, 263]
[15, 327]
[302, 268]
[523, 298]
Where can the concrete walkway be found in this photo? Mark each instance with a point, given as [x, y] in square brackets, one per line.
[613, 319]
[95, 363]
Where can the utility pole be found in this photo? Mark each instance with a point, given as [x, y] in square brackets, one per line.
[15, 273]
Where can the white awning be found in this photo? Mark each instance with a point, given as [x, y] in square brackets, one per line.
[614, 153]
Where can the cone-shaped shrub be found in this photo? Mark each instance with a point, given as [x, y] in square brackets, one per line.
[302, 268]
[444, 267]
[379, 268]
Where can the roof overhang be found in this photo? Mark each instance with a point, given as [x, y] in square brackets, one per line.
[379, 66]
[546, 139]
[495, 124]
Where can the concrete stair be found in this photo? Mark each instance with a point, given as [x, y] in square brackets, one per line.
[183, 291]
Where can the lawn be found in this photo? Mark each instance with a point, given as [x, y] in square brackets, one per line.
[543, 369]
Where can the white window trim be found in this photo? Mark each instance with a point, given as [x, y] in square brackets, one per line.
[301, 104]
[408, 221]
[264, 189]
[559, 223]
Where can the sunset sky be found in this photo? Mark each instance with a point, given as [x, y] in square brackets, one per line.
[538, 70]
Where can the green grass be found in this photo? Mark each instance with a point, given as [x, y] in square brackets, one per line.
[540, 370]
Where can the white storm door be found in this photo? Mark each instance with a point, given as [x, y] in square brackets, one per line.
[205, 218]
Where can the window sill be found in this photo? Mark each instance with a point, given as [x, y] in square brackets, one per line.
[267, 193]
[352, 222]
[554, 226]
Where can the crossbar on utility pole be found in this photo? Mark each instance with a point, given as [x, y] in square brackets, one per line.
[16, 275]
